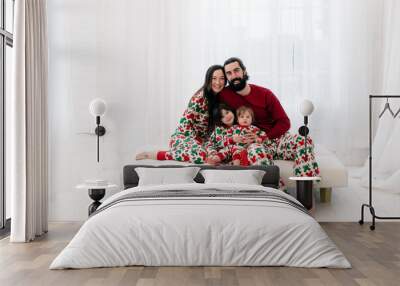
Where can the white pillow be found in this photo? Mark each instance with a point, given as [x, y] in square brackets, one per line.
[165, 176]
[249, 177]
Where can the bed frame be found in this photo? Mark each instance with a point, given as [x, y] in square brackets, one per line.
[270, 179]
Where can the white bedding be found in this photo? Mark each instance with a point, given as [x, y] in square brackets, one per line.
[200, 231]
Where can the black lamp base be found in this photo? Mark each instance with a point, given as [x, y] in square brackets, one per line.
[100, 130]
[303, 130]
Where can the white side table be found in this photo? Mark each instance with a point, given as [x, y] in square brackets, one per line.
[96, 193]
[304, 190]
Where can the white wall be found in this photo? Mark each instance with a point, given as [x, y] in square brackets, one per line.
[146, 58]
[100, 49]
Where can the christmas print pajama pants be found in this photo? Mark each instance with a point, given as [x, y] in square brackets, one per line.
[184, 148]
[287, 147]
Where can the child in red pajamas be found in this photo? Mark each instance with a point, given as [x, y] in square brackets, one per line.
[244, 128]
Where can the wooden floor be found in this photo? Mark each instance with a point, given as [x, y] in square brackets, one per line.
[374, 255]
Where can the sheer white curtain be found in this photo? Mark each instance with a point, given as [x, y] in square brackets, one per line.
[386, 155]
[326, 51]
[28, 122]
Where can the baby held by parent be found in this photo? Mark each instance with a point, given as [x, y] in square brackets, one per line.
[229, 142]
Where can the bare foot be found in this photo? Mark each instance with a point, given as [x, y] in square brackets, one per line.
[213, 160]
[146, 155]
[236, 162]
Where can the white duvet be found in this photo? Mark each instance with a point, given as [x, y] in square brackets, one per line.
[200, 231]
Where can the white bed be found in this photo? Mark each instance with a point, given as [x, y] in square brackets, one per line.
[188, 231]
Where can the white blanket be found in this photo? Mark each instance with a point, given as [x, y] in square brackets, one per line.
[200, 231]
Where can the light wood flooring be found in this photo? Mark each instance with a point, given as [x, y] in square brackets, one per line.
[374, 255]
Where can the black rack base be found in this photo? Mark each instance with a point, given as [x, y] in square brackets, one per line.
[374, 216]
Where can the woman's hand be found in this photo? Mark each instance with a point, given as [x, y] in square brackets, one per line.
[239, 139]
[245, 139]
[251, 138]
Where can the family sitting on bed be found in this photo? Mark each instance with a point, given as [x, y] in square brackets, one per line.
[209, 132]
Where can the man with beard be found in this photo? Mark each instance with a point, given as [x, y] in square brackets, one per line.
[270, 117]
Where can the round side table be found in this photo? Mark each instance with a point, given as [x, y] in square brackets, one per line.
[304, 187]
[96, 193]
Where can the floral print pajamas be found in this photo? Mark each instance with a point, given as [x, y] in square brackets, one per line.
[186, 143]
[239, 150]
[287, 147]
[216, 144]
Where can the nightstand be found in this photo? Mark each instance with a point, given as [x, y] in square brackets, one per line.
[96, 193]
[304, 186]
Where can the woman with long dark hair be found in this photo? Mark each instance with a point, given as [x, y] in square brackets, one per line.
[187, 142]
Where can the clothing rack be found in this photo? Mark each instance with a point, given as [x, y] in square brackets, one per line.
[370, 206]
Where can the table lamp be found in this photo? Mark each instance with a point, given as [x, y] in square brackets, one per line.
[97, 108]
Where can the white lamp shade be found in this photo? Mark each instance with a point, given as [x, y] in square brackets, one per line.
[97, 107]
[306, 107]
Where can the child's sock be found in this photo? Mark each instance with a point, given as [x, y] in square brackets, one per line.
[244, 161]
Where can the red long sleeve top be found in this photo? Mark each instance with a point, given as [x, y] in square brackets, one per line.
[268, 111]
